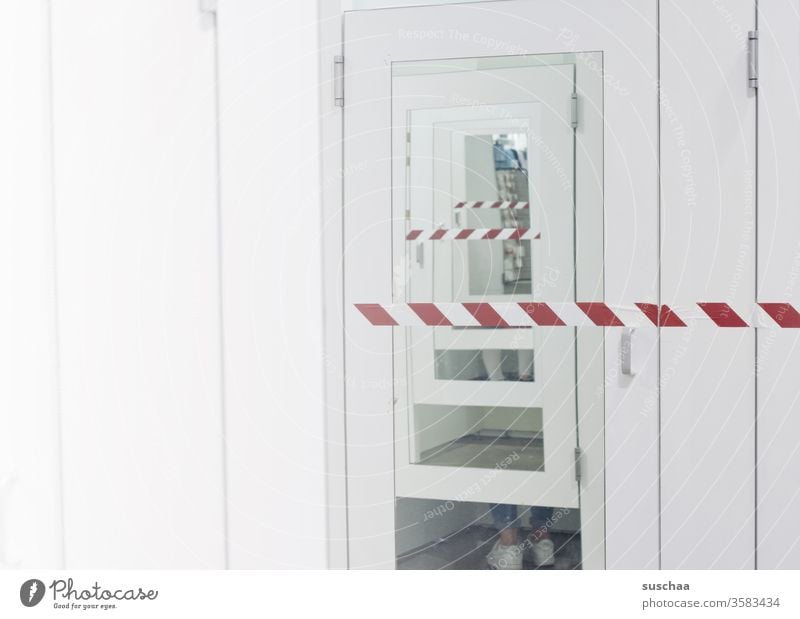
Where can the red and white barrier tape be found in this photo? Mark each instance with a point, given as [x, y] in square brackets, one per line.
[761, 315]
[473, 234]
[513, 204]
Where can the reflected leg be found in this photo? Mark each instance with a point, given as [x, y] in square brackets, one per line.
[506, 554]
[493, 360]
[542, 546]
[506, 522]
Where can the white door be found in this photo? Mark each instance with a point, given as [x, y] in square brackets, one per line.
[476, 396]
[476, 169]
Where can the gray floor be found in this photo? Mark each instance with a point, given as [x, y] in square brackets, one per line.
[467, 550]
[489, 453]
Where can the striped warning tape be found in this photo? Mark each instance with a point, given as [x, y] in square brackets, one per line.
[761, 315]
[473, 234]
[513, 204]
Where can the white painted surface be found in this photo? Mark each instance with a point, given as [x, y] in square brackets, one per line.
[272, 283]
[708, 236]
[354, 5]
[332, 173]
[630, 467]
[30, 506]
[778, 273]
[369, 398]
[138, 284]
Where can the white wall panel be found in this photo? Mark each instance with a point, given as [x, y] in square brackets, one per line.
[135, 185]
[272, 283]
[708, 228]
[30, 506]
[332, 175]
[778, 274]
[631, 275]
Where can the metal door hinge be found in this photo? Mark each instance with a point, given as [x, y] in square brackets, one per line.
[408, 148]
[573, 110]
[578, 463]
[338, 81]
[752, 58]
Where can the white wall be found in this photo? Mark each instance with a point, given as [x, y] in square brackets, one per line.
[30, 501]
[272, 283]
[137, 242]
[138, 296]
[778, 271]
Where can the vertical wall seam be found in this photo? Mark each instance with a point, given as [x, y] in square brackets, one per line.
[220, 278]
[53, 242]
[342, 309]
[658, 266]
[605, 362]
[755, 336]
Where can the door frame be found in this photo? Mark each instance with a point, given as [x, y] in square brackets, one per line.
[635, 417]
[553, 77]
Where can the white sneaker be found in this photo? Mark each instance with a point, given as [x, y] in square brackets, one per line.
[503, 557]
[544, 553]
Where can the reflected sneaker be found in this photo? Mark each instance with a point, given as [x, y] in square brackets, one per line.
[503, 557]
[543, 552]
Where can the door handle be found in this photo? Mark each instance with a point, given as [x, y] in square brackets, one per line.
[421, 254]
[626, 352]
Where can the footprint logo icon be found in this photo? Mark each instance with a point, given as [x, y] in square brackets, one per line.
[31, 592]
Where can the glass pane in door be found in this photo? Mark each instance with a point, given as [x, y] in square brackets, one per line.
[495, 168]
[462, 535]
[488, 437]
[484, 215]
